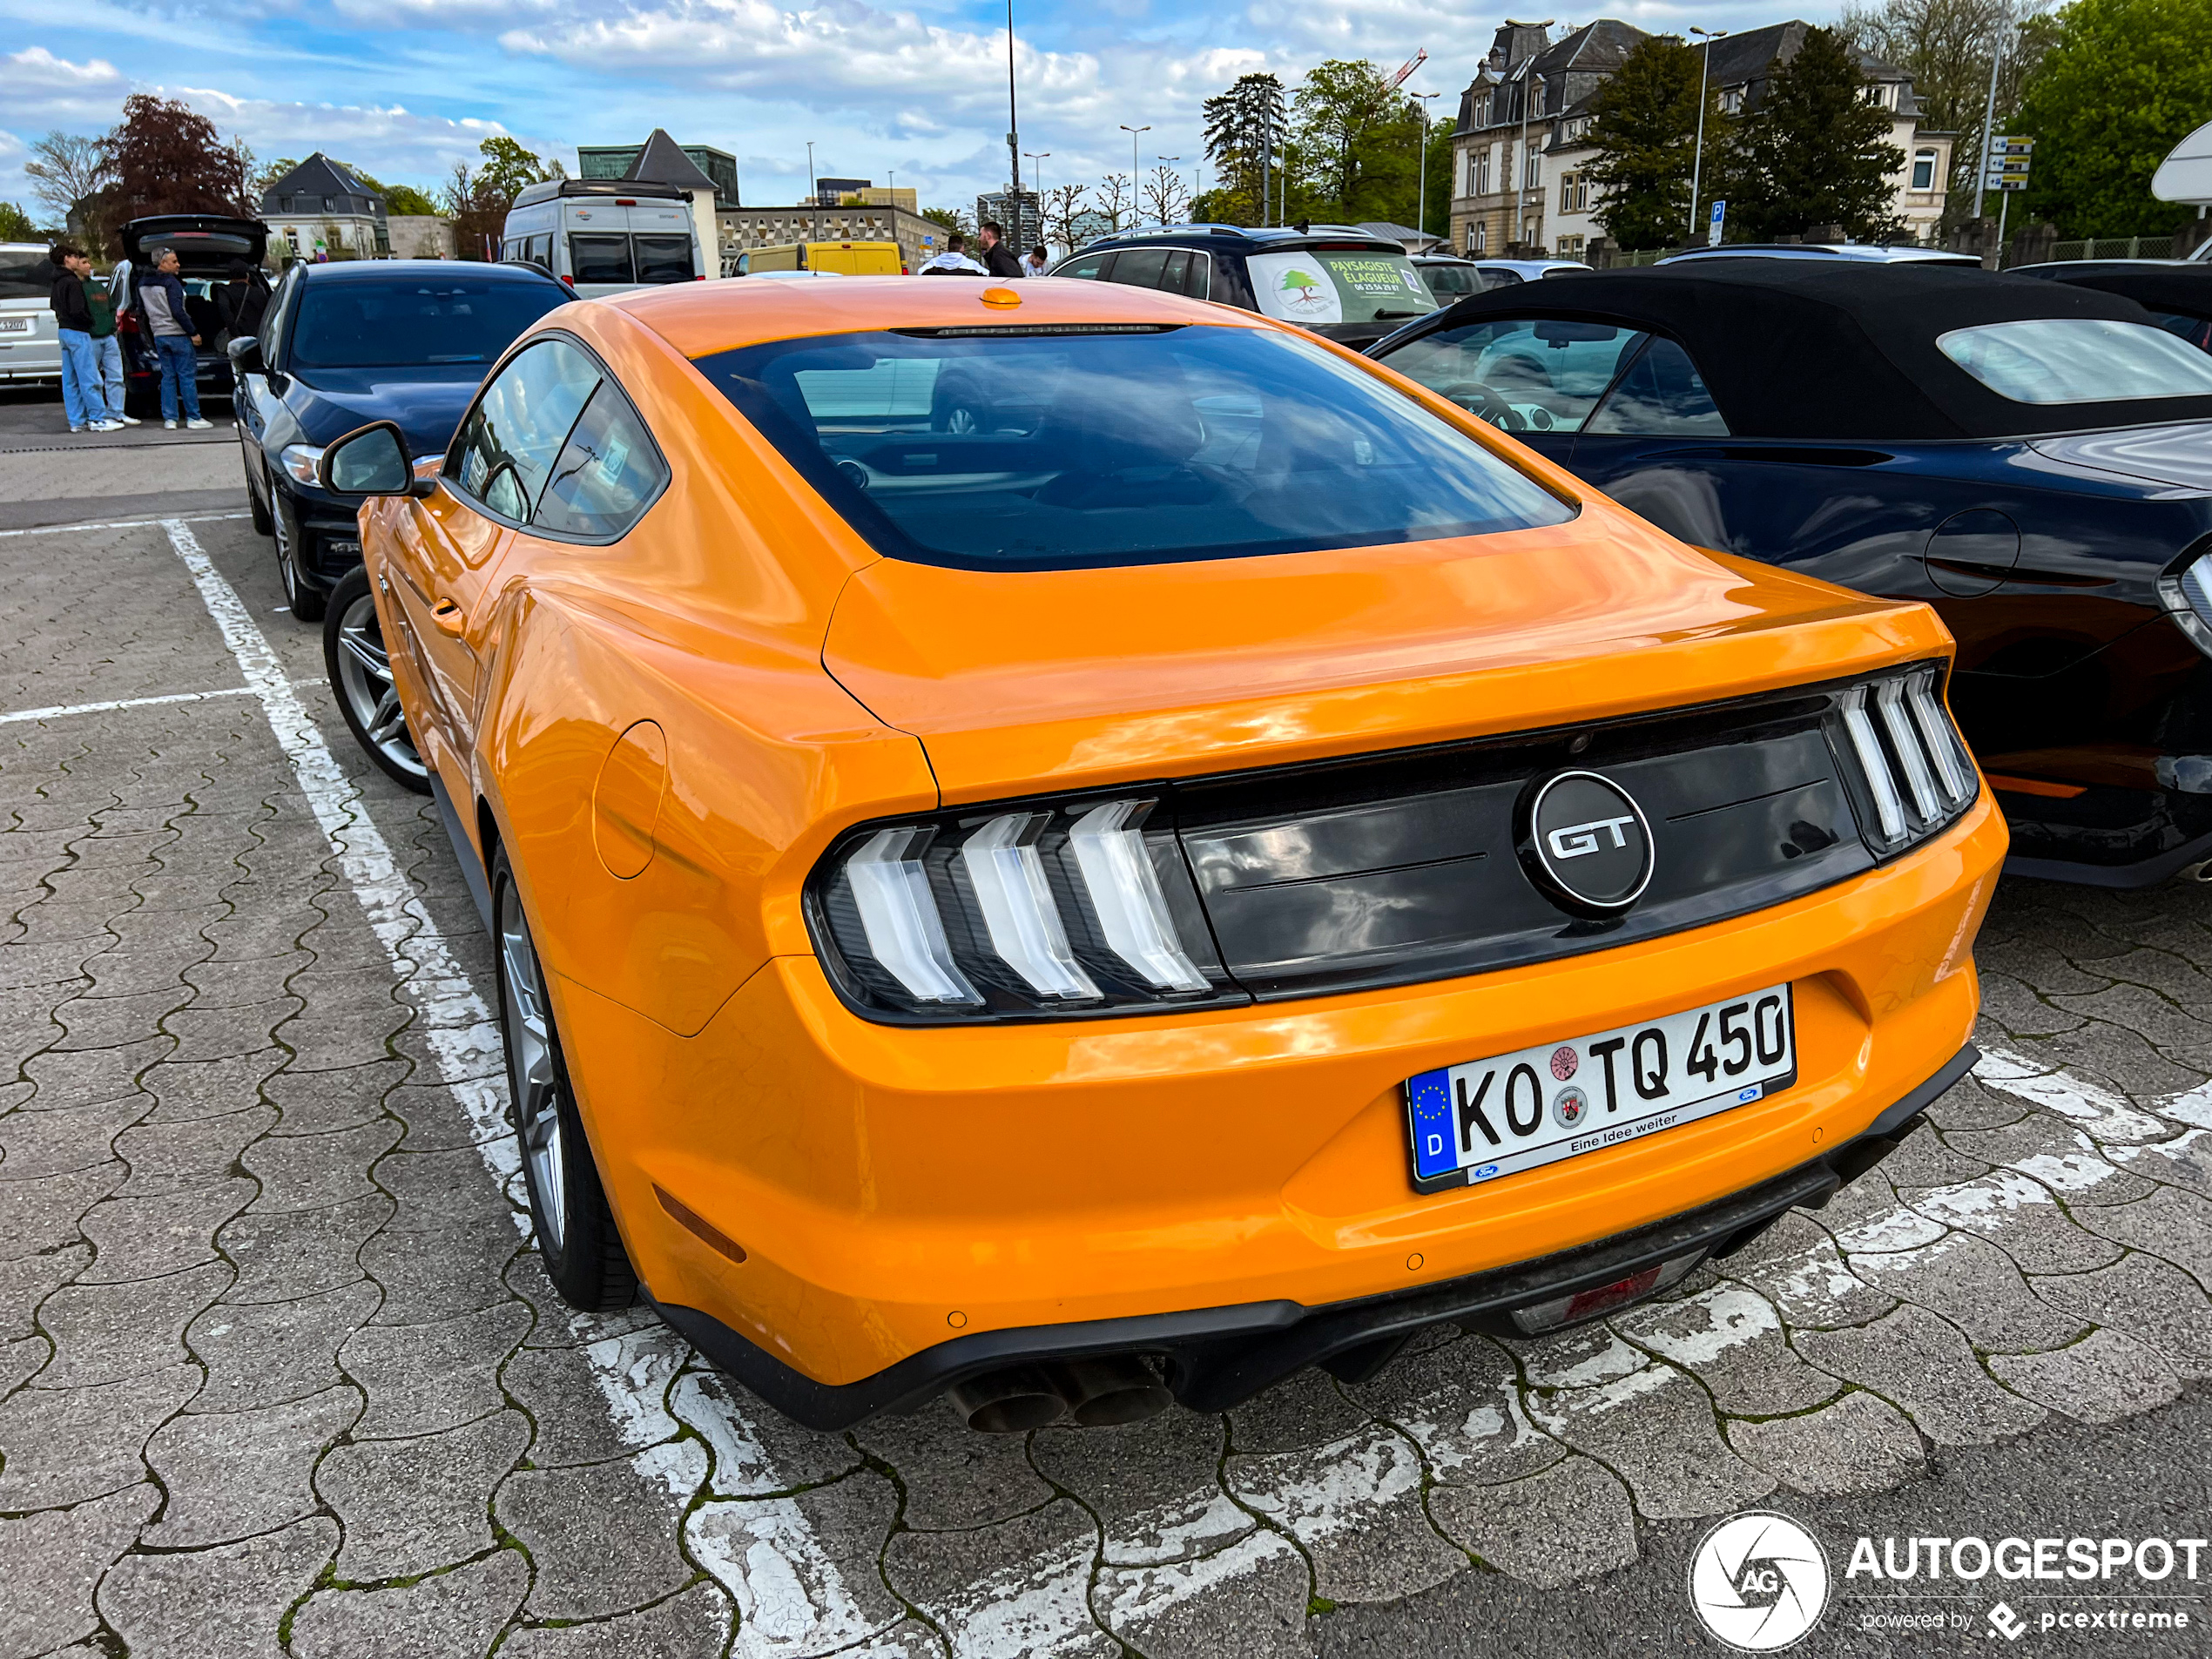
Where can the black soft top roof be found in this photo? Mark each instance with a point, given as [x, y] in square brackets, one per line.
[1797, 350]
[2183, 288]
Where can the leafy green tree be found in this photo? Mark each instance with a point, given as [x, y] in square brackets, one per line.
[1644, 128]
[1359, 138]
[1245, 130]
[509, 168]
[949, 219]
[16, 225]
[2120, 83]
[1439, 167]
[1813, 151]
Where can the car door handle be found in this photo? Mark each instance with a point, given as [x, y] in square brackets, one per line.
[448, 617]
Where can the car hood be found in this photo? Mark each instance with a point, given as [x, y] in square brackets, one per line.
[2177, 454]
[424, 402]
[1014, 681]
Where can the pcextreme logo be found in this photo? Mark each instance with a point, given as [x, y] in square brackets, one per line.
[1758, 1582]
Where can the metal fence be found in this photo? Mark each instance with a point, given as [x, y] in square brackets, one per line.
[2115, 248]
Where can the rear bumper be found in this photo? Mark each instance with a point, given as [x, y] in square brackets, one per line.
[1218, 1358]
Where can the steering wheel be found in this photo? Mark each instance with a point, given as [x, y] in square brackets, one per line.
[1478, 399]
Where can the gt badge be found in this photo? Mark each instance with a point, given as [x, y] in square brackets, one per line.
[1587, 844]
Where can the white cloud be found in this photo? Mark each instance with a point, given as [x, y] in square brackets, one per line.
[38, 88]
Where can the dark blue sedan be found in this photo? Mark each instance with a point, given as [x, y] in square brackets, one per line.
[344, 344]
[2033, 459]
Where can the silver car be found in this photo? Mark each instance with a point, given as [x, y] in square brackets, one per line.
[30, 345]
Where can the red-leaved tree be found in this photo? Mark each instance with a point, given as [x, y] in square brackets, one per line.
[167, 158]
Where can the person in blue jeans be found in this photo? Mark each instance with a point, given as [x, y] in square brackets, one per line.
[161, 302]
[82, 399]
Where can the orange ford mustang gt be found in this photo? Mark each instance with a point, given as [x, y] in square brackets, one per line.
[1076, 846]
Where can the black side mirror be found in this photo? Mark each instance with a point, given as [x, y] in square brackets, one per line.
[246, 356]
[370, 461]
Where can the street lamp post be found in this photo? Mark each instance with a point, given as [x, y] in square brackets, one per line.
[1034, 155]
[1420, 198]
[1132, 132]
[1989, 110]
[1013, 124]
[1697, 160]
[813, 192]
[1528, 78]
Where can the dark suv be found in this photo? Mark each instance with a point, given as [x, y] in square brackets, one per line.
[1336, 279]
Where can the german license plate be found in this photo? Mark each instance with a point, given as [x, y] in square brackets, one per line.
[1489, 1118]
[14, 324]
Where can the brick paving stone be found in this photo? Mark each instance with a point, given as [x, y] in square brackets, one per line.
[2172, 1226]
[315, 1171]
[802, 1570]
[122, 972]
[231, 1032]
[605, 1399]
[41, 1215]
[1155, 1486]
[262, 1353]
[435, 1121]
[1015, 1586]
[1461, 1404]
[27, 1281]
[19, 1359]
[2021, 1217]
[1249, 1600]
[172, 1156]
[1858, 1444]
[67, 1139]
[1568, 1522]
[1797, 1266]
[1974, 1285]
[558, 1325]
[1970, 1104]
[757, 1450]
[443, 1272]
[603, 1537]
[412, 1506]
[241, 984]
[63, 1446]
[423, 1378]
[440, 1190]
[137, 1238]
[290, 1254]
[2152, 1300]
[696, 1622]
[2104, 1377]
[447, 1615]
[109, 1021]
[221, 1603]
[105, 1333]
[1731, 1336]
[315, 1103]
[53, 1563]
[955, 1478]
[1307, 1409]
[1354, 1506]
[1656, 1428]
[231, 1474]
[208, 1088]
[1917, 1361]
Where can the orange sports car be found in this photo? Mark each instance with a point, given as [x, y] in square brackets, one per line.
[1077, 847]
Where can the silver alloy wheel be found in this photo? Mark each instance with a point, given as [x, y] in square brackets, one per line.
[365, 681]
[962, 418]
[529, 1058]
[284, 569]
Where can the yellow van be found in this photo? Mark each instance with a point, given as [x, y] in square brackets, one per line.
[847, 258]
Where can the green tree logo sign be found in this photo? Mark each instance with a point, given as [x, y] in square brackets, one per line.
[1303, 291]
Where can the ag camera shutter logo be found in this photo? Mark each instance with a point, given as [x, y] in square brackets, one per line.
[1759, 1582]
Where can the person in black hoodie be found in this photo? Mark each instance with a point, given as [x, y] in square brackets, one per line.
[243, 302]
[82, 399]
[998, 259]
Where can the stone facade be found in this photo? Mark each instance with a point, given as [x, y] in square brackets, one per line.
[745, 228]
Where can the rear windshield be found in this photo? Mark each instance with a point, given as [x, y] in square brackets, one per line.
[25, 274]
[2077, 360]
[1316, 287]
[1450, 282]
[1012, 450]
[357, 324]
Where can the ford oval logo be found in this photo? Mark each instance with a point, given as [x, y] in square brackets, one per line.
[1587, 844]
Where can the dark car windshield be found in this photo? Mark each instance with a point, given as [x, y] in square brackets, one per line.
[1036, 450]
[25, 274]
[413, 322]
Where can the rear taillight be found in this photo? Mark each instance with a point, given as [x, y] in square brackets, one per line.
[1916, 774]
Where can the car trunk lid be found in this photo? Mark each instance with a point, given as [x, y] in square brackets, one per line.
[2178, 453]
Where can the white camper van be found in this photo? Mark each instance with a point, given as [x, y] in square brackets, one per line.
[603, 236]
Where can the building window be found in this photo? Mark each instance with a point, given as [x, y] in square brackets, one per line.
[1923, 169]
[1533, 167]
[1570, 247]
[1482, 187]
[1574, 192]
[1732, 101]
[1482, 238]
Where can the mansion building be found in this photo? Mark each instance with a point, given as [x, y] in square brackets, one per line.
[1522, 142]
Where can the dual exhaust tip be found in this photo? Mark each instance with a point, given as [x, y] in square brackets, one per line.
[1092, 1393]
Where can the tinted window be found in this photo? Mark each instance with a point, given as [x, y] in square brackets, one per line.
[1662, 393]
[507, 445]
[1141, 266]
[1177, 268]
[25, 274]
[357, 324]
[599, 259]
[1319, 286]
[540, 252]
[1177, 443]
[664, 258]
[606, 473]
[2077, 360]
[1448, 282]
[2197, 331]
[1523, 375]
[1199, 279]
[1093, 266]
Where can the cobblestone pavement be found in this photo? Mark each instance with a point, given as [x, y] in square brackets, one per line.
[280, 1372]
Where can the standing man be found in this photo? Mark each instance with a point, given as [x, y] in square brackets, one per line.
[82, 399]
[954, 261]
[161, 297]
[999, 259]
[1037, 260]
[107, 350]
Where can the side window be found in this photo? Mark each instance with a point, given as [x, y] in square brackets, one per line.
[664, 258]
[1661, 394]
[540, 252]
[599, 259]
[1524, 374]
[1173, 273]
[506, 447]
[1199, 280]
[1140, 268]
[1094, 265]
[607, 474]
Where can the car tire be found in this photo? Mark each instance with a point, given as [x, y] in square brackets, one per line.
[360, 666]
[577, 1236]
[308, 603]
[256, 508]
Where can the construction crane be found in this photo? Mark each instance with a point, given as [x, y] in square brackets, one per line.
[1414, 62]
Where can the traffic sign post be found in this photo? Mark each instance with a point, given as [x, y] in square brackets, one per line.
[2005, 170]
[1720, 218]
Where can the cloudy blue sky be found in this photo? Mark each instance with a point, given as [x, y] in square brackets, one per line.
[918, 87]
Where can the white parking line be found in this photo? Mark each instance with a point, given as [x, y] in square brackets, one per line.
[463, 1039]
[62, 711]
[123, 524]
